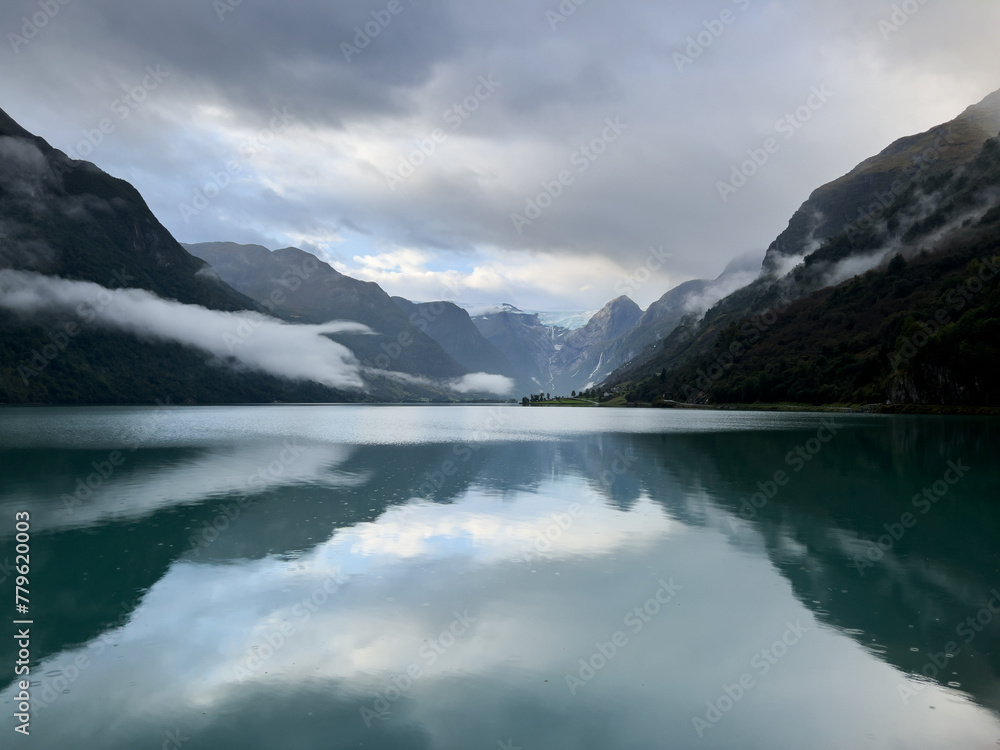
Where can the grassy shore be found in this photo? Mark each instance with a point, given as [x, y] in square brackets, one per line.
[566, 402]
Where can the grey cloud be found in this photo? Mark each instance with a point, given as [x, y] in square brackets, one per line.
[654, 187]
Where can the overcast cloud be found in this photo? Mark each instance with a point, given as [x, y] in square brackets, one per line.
[249, 123]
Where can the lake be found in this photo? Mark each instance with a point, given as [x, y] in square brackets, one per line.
[484, 577]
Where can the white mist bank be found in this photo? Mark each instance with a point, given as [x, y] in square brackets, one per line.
[241, 339]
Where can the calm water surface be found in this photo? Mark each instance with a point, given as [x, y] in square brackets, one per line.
[500, 577]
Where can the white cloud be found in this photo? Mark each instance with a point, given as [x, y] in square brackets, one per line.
[249, 339]
[483, 382]
[528, 280]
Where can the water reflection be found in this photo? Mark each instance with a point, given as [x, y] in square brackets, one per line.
[437, 592]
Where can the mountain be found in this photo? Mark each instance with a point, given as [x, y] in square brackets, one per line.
[452, 328]
[99, 304]
[297, 286]
[687, 301]
[861, 197]
[65, 218]
[839, 317]
[589, 354]
[558, 359]
[527, 343]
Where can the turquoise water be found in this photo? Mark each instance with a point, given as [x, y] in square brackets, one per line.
[484, 577]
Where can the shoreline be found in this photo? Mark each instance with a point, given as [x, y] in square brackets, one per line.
[904, 409]
[890, 409]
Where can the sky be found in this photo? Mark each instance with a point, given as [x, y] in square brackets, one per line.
[547, 154]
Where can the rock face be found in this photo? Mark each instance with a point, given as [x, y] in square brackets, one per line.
[558, 360]
[452, 328]
[590, 354]
[299, 287]
[527, 343]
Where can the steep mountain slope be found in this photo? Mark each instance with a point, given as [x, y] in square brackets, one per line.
[67, 218]
[923, 328]
[686, 301]
[527, 343]
[559, 360]
[100, 305]
[452, 328]
[845, 228]
[590, 353]
[862, 196]
[296, 286]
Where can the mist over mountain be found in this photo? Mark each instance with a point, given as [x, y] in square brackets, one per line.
[868, 295]
[99, 304]
[67, 218]
[72, 241]
[864, 194]
[685, 302]
[298, 287]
